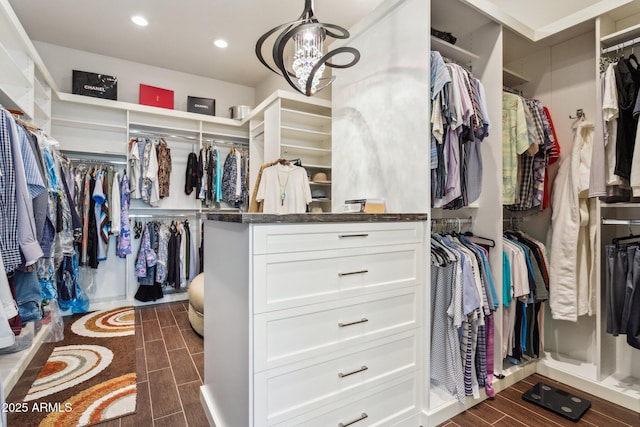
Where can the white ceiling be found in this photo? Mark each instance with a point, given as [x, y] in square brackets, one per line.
[180, 34]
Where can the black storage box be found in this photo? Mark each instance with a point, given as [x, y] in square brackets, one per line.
[96, 85]
[201, 105]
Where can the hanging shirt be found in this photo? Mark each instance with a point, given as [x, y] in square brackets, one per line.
[284, 189]
[515, 141]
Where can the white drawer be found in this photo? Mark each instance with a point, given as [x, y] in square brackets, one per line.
[378, 407]
[311, 237]
[287, 392]
[288, 336]
[294, 279]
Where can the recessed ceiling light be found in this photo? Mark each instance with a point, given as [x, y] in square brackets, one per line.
[140, 20]
[220, 43]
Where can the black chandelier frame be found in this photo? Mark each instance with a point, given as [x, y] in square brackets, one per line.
[306, 21]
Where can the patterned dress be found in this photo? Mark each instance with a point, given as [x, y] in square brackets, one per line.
[164, 168]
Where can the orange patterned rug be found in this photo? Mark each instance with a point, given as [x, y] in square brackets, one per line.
[89, 376]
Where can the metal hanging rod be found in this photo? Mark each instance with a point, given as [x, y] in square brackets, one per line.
[231, 141]
[163, 216]
[614, 221]
[96, 161]
[162, 135]
[622, 45]
[457, 222]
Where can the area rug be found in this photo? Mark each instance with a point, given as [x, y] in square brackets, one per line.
[89, 377]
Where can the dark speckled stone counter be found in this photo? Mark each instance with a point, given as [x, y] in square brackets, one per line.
[313, 218]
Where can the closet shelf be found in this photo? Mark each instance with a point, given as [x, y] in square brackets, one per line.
[511, 78]
[14, 68]
[308, 150]
[61, 121]
[315, 166]
[304, 118]
[127, 106]
[620, 36]
[304, 134]
[451, 51]
[627, 205]
[151, 128]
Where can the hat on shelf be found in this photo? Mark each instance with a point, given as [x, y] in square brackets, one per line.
[320, 177]
[316, 209]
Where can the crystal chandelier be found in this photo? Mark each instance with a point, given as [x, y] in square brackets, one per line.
[305, 71]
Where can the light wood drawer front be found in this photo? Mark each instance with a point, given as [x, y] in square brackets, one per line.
[288, 336]
[290, 280]
[381, 406]
[287, 392]
[312, 237]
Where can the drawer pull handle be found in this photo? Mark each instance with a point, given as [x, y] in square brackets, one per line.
[362, 417]
[344, 236]
[344, 325]
[351, 273]
[364, 368]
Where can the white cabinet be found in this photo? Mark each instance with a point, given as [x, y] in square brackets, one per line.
[303, 335]
[22, 82]
[293, 127]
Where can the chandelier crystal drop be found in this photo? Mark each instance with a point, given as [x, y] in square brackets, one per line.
[305, 70]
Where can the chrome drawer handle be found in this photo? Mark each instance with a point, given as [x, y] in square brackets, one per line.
[344, 236]
[362, 417]
[364, 368]
[344, 325]
[351, 273]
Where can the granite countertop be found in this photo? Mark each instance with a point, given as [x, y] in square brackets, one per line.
[311, 218]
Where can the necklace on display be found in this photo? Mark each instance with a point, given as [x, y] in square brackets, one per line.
[283, 188]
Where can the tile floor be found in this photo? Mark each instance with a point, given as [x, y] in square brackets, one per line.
[170, 370]
[509, 410]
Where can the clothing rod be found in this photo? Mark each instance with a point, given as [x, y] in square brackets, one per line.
[214, 138]
[453, 220]
[622, 45]
[613, 221]
[193, 215]
[96, 161]
[162, 135]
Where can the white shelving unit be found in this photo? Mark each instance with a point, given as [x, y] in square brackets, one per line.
[290, 126]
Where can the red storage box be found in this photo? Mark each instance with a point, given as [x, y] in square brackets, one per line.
[156, 96]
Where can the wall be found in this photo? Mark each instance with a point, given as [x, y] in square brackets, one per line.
[61, 61]
[275, 82]
[380, 109]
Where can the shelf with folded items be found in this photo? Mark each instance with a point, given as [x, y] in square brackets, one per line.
[453, 52]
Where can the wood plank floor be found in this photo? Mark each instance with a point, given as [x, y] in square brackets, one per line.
[170, 370]
[508, 409]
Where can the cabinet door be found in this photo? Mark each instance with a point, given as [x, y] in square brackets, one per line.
[290, 391]
[381, 406]
[289, 280]
[287, 336]
[271, 239]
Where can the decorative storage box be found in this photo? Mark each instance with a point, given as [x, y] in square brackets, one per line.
[94, 84]
[201, 105]
[156, 96]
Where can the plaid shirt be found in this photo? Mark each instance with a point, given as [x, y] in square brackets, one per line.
[8, 208]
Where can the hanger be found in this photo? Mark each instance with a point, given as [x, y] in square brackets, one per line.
[492, 243]
[617, 240]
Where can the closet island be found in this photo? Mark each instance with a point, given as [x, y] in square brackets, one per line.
[313, 317]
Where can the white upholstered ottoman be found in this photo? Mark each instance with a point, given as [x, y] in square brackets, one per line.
[196, 304]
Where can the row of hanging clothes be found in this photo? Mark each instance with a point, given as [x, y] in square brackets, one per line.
[529, 146]
[615, 164]
[622, 289]
[463, 301]
[38, 229]
[525, 288]
[102, 199]
[167, 258]
[215, 180]
[459, 123]
[149, 169]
